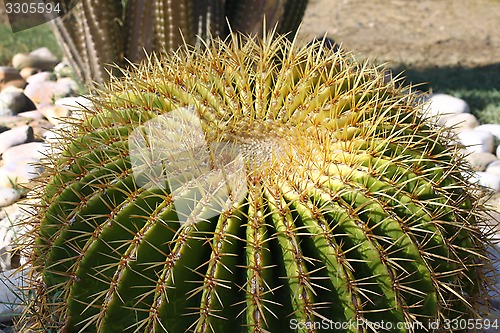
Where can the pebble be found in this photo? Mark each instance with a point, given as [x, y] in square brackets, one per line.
[8, 73]
[492, 128]
[487, 180]
[11, 122]
[494, 167]
[40, 126]
[21, 84]
[33, 114]
[54, 135]
[8, 196]
[480, 161]
[13, 101]
[55, 113]
[47, 92]
[15, 136]
[13, 175]
[63, 69]
[32, 151]
[26, 72]
[12, 300]
[41, 59]
[461, 121]
[41, 77]
[444, 106]
[477, 141]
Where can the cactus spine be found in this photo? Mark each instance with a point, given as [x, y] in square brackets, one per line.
[97, 34]
[351, 208]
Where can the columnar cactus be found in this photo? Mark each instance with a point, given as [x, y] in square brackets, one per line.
[97, 34]
[255, 186]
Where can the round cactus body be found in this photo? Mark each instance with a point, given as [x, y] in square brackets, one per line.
[255, 186]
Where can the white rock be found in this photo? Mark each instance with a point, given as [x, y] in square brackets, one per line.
[16, 101]
[32, 151]
[444, 106]
[15, 136]
[33, 114]
[68, 82]
[461, 121]
[54, 134]
[43, 52]
[492, 128]
[477, 141]
[11, 295]
[46, 92]
[21, 173]
[487, 179]
[8, 196]
[479, 161]
[63, 69]
[74, 103]
[55, 113]
[41, 77]
[494, 168]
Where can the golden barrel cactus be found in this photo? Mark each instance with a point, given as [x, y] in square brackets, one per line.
[255, 186]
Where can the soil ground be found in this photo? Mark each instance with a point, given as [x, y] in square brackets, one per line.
[419, 33]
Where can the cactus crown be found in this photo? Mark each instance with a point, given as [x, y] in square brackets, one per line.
[254, 185]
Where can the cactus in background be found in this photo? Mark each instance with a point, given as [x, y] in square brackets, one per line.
[97, 34]
[254, 186]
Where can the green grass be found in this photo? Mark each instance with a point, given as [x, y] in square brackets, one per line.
[26, 41]
[478, 86]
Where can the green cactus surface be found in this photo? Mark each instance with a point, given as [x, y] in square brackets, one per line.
[255, 186]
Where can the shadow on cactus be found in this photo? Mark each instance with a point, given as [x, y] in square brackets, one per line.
[255, 186]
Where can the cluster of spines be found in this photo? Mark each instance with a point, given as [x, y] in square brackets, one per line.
[97, 34]
[368, 218]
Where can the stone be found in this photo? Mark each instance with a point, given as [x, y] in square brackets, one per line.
[41, 77]
[69, 83]
[8, 196]
[492, 128]
[486, 179]
[461, 121]
[32, 151]
[477, 141]
[22, 173]
[54, 135]
[40, 126]
[480, 161]
[33, 114]
[55, 113]
[76, 104]
[442, 107]
[494, 168]
[8, 73]
[41, 59]
[21, 84]
[15, 101]
[63, 69]
[46, 92]
[26, 72]
[11, 299]
[15, 136]
[13, 121]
